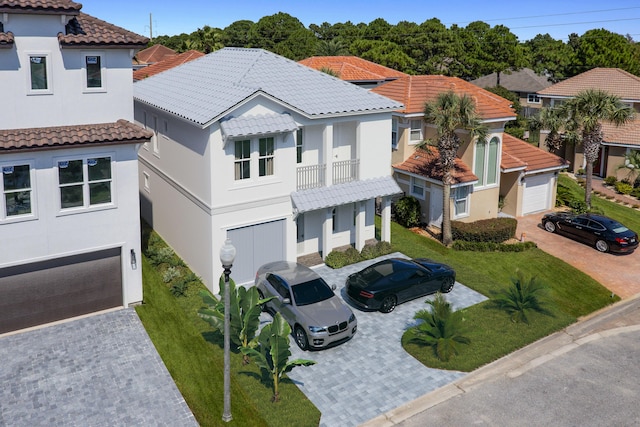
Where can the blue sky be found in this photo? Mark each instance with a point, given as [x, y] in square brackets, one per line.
[558, 18]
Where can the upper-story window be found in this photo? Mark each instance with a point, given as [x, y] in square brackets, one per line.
[17, 190]
[265, 156]
[415, 131]
[299, 146]
[486, 162]
[394, 134]
[93, 63]
[39, 74]
[85, 183]
[533, 98]
[242, 165]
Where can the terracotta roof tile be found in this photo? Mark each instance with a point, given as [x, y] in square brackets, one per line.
[85, 30]
[120, 132]
[153, 54]
[39, 6]
[628, 134]
[169, 62]
[6, 40]
[517, 153]
[353, 68]
[613, 80]
[415, 91]
[426, 162]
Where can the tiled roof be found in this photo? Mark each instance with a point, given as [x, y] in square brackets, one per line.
[120, 132]
[353, 68]
[426, 162]
[519, 154]
[204, 89]
[85, 30]
[415, 91]
[169, 61]
[153, 54]
[340, 194]
[613, 80]
[628, 135]
[6, 40]
[525, 80]
[66, 7]
[258, 124]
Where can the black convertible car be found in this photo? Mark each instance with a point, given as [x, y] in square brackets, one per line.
[385, 284]
[606, 234]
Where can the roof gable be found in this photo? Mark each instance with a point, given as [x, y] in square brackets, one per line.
[415, 91]
[613, 80]
[152, 54]
[85, 30]
[426, 162]
[206, 88]
[353, 68]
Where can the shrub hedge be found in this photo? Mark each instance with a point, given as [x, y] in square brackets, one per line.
[406, 211]
[338, 259]
[461, 245]
[495, 230]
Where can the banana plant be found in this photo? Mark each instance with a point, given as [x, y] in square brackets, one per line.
[274, 351]
[244, 314]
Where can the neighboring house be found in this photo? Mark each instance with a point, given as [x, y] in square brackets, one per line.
[618, 141]
[525, 83]
[151, 55]
[69, 211]
[480, 183]
[354, 70]
[284, 160]
[168, 62]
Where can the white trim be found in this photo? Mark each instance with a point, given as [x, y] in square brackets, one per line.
[48, 70]
[33, 215]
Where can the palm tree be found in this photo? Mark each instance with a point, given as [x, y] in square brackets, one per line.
[584, 115]
[524, 295]
[441, 329]
[551, 120]
[331, 48]
[632, 164]
[450, 112]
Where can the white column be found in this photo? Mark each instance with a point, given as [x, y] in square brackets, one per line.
[385, 223]
[360, 223]
[327, 233]
[328, 153]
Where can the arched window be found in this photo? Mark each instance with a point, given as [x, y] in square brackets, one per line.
[486, 162]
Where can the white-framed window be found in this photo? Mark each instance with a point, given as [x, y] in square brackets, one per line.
[93, 64]
[334, 220]
[39, 74]
[415, 131]
[533, 98]
[299, 146]
[461, 201]
[394, 134]
[486, 162]
[17, 191]
[417, 188]
[265, 156]
[85, 182]
[242, 163]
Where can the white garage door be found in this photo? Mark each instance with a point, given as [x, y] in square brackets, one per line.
[537, 193]
[256, 245]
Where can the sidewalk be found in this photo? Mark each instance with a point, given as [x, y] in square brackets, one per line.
[621, 317]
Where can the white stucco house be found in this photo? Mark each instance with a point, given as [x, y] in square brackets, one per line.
[284, 160]
[69, 211]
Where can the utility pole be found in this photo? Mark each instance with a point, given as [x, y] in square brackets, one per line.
[150, 28]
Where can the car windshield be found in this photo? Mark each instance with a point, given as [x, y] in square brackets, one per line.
[311, 292]
[618, 228]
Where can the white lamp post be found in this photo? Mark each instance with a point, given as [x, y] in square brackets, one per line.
[227, 255]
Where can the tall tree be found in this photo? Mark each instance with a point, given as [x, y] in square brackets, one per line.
[450, 112]
[237, 34]
[548, 56]
[384, 53]
[602, 48]
[584, 115]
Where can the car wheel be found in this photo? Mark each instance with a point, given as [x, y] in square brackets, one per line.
[388, 304]
[550, 226]
[602, 246]
[263, 307]
[447, 285]
[301, 338]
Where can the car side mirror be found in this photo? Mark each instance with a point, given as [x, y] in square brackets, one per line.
[286, 300]
[333, 287]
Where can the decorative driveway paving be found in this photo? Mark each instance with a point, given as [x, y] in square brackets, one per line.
[100, 370]
[371, 374]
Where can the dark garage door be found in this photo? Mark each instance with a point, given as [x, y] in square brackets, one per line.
[256, 245]
[52, 290]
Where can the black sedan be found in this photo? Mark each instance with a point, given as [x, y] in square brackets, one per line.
[388, 283]
[606, 234]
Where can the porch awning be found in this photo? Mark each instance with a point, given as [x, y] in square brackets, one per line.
[340, 194]
[260, 124]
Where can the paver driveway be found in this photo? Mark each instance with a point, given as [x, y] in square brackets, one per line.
[371, 374]
[100, 370]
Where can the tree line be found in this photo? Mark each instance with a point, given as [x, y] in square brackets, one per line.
[427, 48]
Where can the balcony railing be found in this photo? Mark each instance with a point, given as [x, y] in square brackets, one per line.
[346, 171]
[314, 176]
